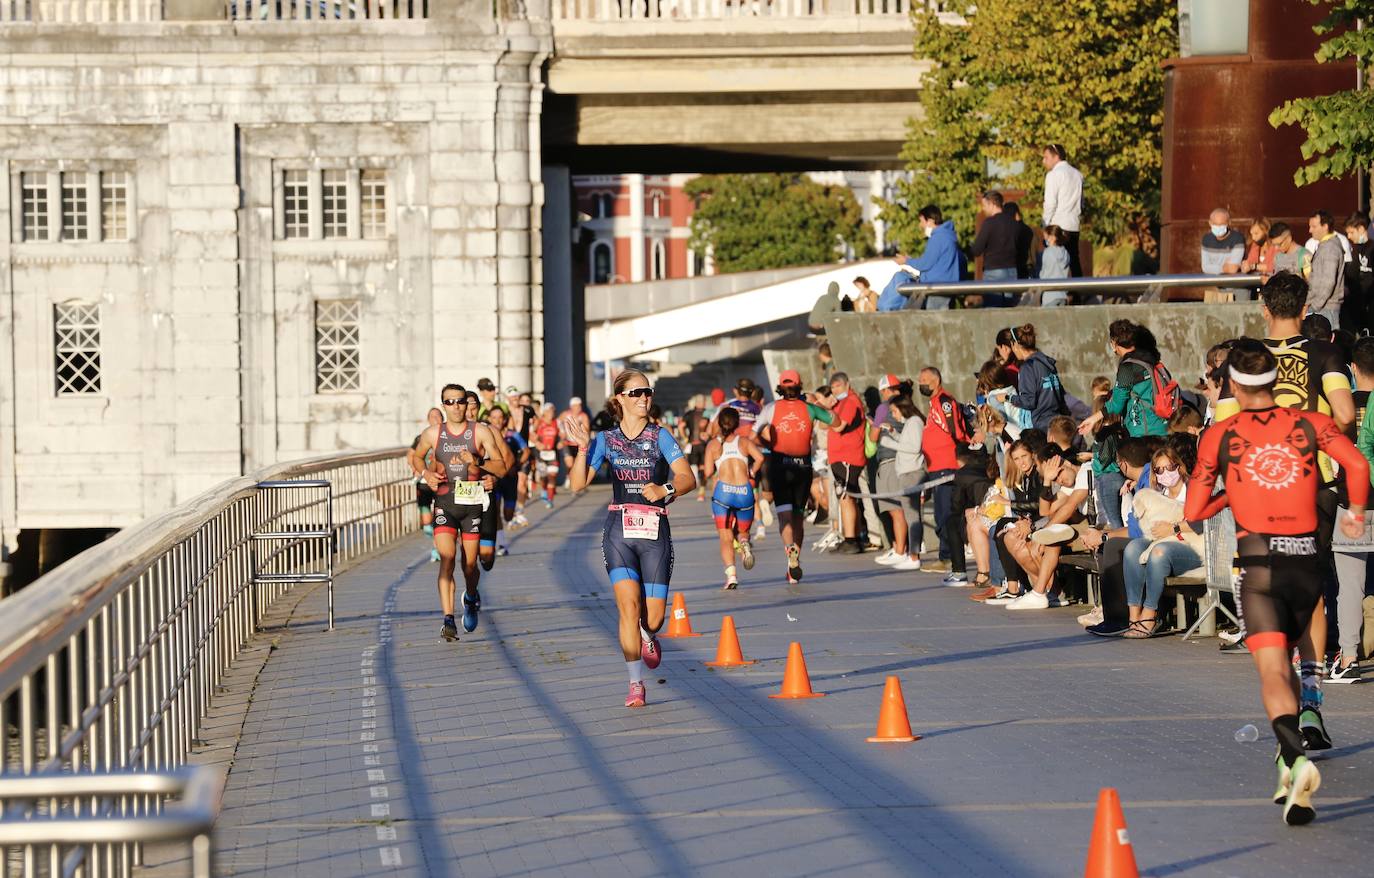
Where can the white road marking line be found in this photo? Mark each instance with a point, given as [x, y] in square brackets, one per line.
[386, 833]
[379, 792]
[376, 775]
[382, 810]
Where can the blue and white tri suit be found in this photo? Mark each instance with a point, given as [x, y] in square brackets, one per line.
[634, 463]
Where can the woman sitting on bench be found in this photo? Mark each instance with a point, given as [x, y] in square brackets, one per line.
[1169, 547]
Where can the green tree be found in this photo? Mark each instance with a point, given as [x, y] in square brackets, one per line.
[1018, 74]
[1340, 126]
[755, 221]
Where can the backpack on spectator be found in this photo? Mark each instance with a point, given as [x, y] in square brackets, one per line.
[1167, 392]
[964, 414]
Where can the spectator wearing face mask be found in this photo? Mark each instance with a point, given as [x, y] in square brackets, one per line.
[1223, 248]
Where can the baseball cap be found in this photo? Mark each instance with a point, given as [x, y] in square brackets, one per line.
[789, 378]
[888, 381]
[576, 400]
[485, 384]
[512, 391]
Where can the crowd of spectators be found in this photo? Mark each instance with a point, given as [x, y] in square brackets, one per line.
[1026, 476]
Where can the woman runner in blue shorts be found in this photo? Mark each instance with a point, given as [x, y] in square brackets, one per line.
[735, 461]
[647, 472]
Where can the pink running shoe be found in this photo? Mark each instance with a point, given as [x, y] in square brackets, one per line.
[649, 651]
[636, 696]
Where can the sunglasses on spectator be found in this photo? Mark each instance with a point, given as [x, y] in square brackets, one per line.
[454, 401]
[640, 391]
[1167, 468]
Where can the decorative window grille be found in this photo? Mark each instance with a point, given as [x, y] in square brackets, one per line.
[114, 205]
[296, 203]
[373, 186]
[334, 199]
[76, 327]
[337, 331]
[34, 204]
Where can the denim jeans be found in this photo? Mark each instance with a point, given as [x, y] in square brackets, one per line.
[1108, 487]
[999, 300]
[1145, 582]
[994, 559]
[944, 499]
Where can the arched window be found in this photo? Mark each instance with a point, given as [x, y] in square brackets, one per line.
[656, 205]
[603, 262]
[603, 205]
[660, 261]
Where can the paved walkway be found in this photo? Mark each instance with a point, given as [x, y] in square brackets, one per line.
[378, 748]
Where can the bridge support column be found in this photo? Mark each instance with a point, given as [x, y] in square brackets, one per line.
[564, 338]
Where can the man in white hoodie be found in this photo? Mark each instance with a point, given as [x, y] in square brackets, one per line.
[1063, 200]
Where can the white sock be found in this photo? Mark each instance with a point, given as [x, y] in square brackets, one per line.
[730, 571]
[636, 669]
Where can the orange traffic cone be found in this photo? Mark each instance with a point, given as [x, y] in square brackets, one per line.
[679, 624]
[1109, 853]
[728, 654]
[893, 725]
[796, 683]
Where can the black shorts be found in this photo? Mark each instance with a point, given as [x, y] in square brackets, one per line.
[846, 477]
[648, 562]
[789, 478]
[1279, 586]
[424, 497]
[508, 490]
[696, 455]
[765, 484]
[463, 521]
[491, 522]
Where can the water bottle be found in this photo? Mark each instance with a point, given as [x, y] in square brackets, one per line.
[1247, 734]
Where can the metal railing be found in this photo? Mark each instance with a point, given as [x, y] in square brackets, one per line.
[1148, 288]
[198, 790]
[109, 662]
[699, 10]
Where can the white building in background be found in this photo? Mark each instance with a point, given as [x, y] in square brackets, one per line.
[230, 244]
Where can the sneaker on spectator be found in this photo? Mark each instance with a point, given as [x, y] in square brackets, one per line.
[1236, 648]
[1031, 600]
[850, 547]
[1059, 600]
[1348, 673]
[938, 567]
[956, 580]
[906, 562]
[983, 594]
[1002, 598]
[1109, 629]
[1229, 636]
[888, 558]
[1053, 535]
[1092, 617]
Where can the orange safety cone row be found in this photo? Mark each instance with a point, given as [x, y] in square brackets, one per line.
[893, 725]
[679, 623]
[728, 653]
[1110, 854]
[796, 683]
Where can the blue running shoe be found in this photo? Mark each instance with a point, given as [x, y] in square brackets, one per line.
[470, 609]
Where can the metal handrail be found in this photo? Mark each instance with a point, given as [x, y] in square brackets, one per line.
[109, 662]
[199, 790]
[1148, 286]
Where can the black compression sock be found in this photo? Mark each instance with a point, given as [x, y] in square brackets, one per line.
[1289, 738]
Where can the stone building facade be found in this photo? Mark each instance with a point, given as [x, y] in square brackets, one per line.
[237, 242]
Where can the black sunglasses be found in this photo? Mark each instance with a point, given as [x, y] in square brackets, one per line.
[454, 401]
[640, 391]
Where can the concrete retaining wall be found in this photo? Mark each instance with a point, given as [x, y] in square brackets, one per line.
[959, 342]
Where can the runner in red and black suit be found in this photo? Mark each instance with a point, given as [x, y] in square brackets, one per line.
[786, 426]
[1312, 376]
[465, 452]
[1267, 457]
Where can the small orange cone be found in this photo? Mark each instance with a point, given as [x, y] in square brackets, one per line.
[679, 623]
[796, 683]
[893, 725]
[728, 653]
[1109, 853]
